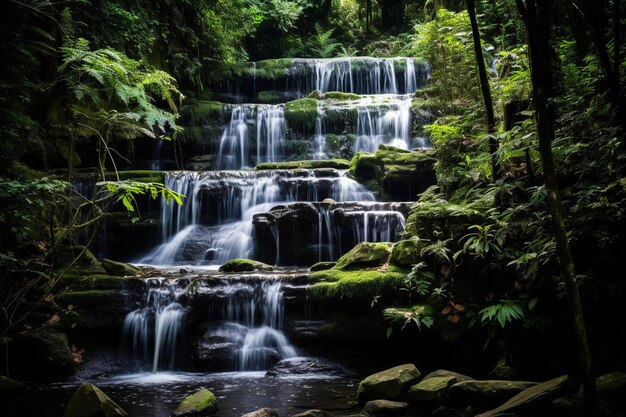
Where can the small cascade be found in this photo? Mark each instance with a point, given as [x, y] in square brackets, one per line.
[389, 124]
[155, 330]
[233, 149]
[410, 80]
[377, 225]
[216, 222]
[270, 138]
[249, 317]
[320, 137]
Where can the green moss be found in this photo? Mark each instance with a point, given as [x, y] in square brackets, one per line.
[337, 95]
[138, 176]
[269, 96]
[365, 254]
[94, 282]
[271, 68]
[301, 114]
[244, 265]
[398, 316]
[85, 298]
[365, 167]
[309, 164]
[431, 217]
[322, 266]
[360, 285]
[406, 253]
[200, 113]
[202, 402]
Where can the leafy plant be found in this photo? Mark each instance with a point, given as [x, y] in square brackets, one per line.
[482, 242]
[502, 313]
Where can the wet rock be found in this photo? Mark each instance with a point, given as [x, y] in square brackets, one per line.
[385, 408]
[90, 401]
[42, 354]
[263, 412]
[304, 366]
[474, 391]
[538, 393]
[120, 269]
[84, 262]
[200, 163]
[431, 389]
[245, 265]
[389, 384]
[216, 349]
[200, 403]
[365, 254]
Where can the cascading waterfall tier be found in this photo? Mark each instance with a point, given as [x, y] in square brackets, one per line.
[215, 223]
[154, 331]
[297, 78]
[313, 232]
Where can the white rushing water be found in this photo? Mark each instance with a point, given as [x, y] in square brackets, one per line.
[388, 123]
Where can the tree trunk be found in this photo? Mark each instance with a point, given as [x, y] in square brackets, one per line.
[538, 24]
[484, 88]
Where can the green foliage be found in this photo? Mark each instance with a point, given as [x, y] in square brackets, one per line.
[502, 313]
[321, 44]
[127, 192]
[112, 88]
[481, 243]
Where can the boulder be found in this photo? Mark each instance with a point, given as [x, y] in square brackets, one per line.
[322, 266]
[120, 269]
[262, 412]
[406, 253]
[384, 408]
[365, 254]
[430, 390]
[312, 413]
[90, 401]
[200, 403]
[608, 383]
[245, 265]
[389, 384]
[444, 372]
[41, 354]
[477, 392]
[540, 392]
[82, 260]
[306, 366]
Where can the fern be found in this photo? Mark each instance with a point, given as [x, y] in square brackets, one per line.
[502, 313]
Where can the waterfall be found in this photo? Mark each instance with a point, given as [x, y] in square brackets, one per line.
[383, 124]
[410, 81]
[270, 138]
[320, 138]
[234, 145]
[215, 223]
[155, 330]
[377, 226]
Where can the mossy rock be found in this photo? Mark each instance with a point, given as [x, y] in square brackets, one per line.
[406, 253]
[41, 355]
[365, 254]
[137, 176]
[613, 381]
[245, 265]
[90, 401]
[340, 96]
[269, 96]
[271, 68]
[358, 286]
[431, 217]
[200, 113]
[308, 164]
[322, 266]
[365, 167]
[200, 403]
[398, 316]
[479, 392]
[430, 390]
[120, 269]
[301, 114]
[390, 384]
[86, 264]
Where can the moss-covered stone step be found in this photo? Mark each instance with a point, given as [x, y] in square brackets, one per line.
[306, 164]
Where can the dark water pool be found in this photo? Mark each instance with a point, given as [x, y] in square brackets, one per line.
[158, 395]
